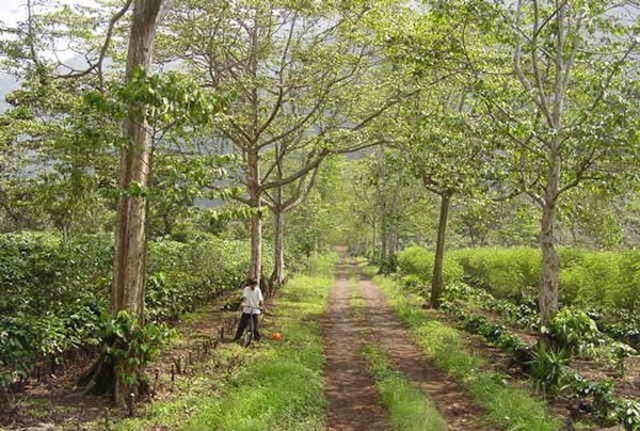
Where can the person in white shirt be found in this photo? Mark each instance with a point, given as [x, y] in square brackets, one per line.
[252, 300]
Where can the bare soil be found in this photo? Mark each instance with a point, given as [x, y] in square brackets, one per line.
[353, 401]
[53, 401]
[450, 398]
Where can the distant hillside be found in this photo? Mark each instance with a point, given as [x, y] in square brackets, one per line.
[7, 84]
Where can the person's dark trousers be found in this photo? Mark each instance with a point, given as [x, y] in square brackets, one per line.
[242, 325]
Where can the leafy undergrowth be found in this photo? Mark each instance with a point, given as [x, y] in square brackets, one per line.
[508, 406]
[409, 408]
[278, 384]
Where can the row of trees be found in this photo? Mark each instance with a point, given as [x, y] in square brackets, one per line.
[248, 100]
[533, 101]
[526, 104]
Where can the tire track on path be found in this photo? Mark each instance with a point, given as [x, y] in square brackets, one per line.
[456, 407]
[354, 403]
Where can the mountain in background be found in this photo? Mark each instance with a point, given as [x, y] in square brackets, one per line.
[8, 83]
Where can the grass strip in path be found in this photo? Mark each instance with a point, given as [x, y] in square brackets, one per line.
[459, 410]
[507, 407]
[354, 403]
[356, 301]
[409, 408]
[277, 387]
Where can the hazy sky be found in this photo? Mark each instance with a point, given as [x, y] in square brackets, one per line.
[12, 11]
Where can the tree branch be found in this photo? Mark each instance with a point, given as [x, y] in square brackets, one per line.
[105, 47]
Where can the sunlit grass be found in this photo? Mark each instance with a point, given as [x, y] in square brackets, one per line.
[356, 301]
[280, 387]
[507, 406]
[322, 266]
[409, 408]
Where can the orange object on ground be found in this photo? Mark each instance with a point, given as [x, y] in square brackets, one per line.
[276, 336]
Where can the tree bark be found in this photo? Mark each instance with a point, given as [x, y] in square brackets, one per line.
[392, 234]
[437, 284]
[548, 299]
[384, 233]
[255, 201]
[129, 261]
[278, 277]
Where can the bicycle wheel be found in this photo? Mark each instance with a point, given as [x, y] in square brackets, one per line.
[247, 338]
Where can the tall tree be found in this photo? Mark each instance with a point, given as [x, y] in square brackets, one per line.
[280, 201]
[129, 261]
[437, 129]
[448, 154]
[565, 118]
[292, 72]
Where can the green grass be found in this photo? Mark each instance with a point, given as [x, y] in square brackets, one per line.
[322, 266]
[507, 406]
[368, 270]
[278, 388]
[281, 388]
[409, 408]
[356, 301]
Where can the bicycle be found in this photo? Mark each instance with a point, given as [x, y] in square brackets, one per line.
[249, 331]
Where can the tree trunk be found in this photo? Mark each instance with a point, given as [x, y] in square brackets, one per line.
[130, 235]
[548, 299]
[277, 279]
[437, 283]
[374, 238]
[392, 251]
[256, 241]
[384, 233]
[392, 234]
[255, 201]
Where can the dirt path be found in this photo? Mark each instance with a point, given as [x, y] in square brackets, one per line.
[452, 402]
[354, 404]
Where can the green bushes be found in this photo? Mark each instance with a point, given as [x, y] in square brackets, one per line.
[509, 273]
[592, 278]
[51, 296]
[588, 279]
[627, 297]
[416, 265]
[54, 293]
[185, 275]
[132, 345]
[574, 330]
[417, 261]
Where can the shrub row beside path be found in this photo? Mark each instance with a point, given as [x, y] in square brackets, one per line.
[343, 349]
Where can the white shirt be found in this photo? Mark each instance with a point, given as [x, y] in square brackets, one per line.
[251, 299]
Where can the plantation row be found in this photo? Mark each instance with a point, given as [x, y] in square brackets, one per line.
[587, 278]
[604, 284]
[491, 293]
[55, 293]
